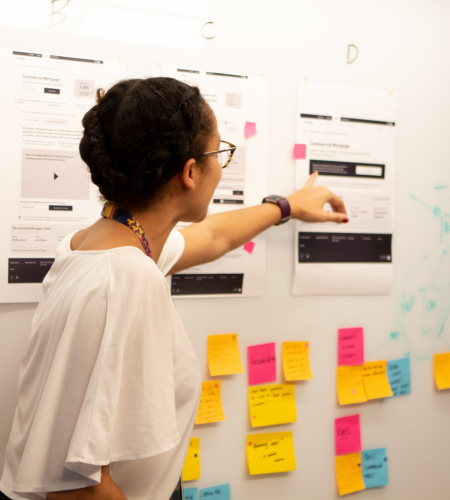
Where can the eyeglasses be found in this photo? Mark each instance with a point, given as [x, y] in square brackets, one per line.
[224, 154]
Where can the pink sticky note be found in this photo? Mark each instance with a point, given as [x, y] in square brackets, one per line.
[350, 346]
[261, 363]
[347, 432]
[300, 151]
[249, 129]
[248, 247]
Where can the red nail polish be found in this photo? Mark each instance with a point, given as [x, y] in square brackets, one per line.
[345, 219]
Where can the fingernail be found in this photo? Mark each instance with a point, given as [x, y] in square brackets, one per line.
[345, 219]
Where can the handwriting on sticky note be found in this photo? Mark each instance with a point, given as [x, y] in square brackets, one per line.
[272, 404]
[261, 363]
[249, 129]
[375, 380]
[349, 381]
[190, 493]
[248, 247]
[295, 356]
[299, 151]
[210, 408]
[224, 357]
[270, 453]
[347, 434]
[221, 492]
[399, 376]
[350, 346]
[441, 368]
[349, 473]
[191, 467]
[375, 468]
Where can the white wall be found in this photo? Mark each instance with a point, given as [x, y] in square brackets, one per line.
[403, 46]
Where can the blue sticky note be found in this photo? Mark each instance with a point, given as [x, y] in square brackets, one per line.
[190, 493]
[221, 492]
[375, 467]
[399, 375]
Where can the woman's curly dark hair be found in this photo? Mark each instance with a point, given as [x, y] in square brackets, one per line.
[140, 134]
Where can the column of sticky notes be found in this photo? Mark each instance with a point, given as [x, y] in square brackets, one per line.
[273, 404]
[358, 381]
[223, 359]
[357, 469]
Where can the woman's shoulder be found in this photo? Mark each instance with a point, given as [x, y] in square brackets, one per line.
[99, 237]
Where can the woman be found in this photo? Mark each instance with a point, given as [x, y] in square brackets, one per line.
[109, 384]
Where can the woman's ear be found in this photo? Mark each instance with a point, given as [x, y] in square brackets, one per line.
[188, 176]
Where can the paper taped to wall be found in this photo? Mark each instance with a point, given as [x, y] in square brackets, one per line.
[349, 135]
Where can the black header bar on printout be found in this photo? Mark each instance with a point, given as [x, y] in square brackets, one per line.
[315, 117]
[77, 59]
[28, 270]
[28, 54]
[370, 122]
[207, 284]
[316, 248]
[225, 74]
[347, 169]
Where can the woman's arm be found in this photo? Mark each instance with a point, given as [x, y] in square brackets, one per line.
[106, 490]
[221, 233]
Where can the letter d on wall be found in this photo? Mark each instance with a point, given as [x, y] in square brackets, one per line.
[352, 53]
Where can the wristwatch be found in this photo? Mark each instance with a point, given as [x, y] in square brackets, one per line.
[283, 204]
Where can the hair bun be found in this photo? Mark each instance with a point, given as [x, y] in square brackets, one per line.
[100, 94]
[140, 134]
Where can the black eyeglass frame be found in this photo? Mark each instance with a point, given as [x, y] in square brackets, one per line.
[232, 149]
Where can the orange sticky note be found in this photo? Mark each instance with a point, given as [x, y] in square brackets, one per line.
[272, 404]
[296, 364]
[191, 467]
[349, 473]
[375, 380]
[210, 408]
[349, 382]
[270, 453]
[224, 357]
[441, 368]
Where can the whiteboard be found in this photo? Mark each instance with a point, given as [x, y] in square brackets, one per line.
[402, 47]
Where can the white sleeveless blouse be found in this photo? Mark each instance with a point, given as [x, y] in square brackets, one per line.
[108, 377]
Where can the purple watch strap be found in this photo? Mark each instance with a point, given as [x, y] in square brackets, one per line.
[285, 208]
[283, 204]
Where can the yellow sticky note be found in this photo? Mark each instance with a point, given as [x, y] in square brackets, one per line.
[272, 404]
[191, 467]
[349, 473]
[224, 357]
[210, 408]
[441, 367]
[296, 361]
[269, 453]
[375, 380]
[349, 381]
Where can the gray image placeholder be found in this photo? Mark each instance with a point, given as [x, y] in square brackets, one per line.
[54, 175]
[233, 100]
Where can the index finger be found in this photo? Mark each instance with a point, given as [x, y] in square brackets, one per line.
[312, 179]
